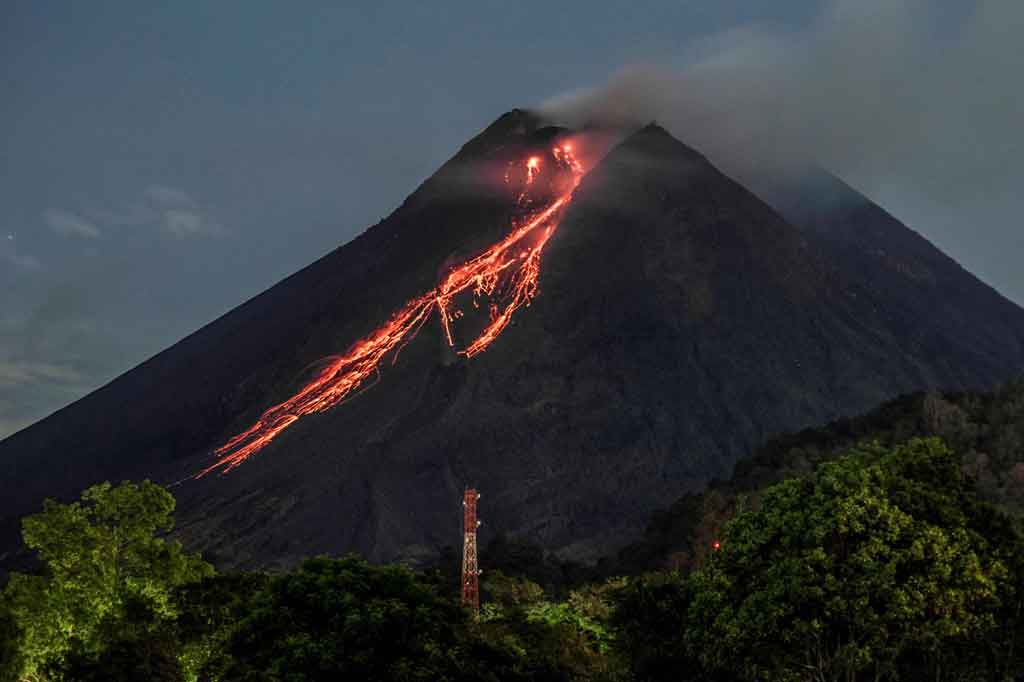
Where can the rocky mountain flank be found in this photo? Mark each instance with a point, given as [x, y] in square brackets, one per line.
[681, 322]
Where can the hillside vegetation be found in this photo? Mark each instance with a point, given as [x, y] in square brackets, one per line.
[860, 551]
[985, 430]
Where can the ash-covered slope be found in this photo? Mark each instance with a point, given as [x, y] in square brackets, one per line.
[929, 299]
[680, 322]
[189, 397]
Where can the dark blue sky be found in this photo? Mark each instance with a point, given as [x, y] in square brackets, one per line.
[162, 162]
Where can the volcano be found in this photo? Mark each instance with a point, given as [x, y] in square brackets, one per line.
[581, 330]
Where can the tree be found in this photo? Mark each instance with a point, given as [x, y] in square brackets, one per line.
[650, 623]
[872, 566]
[986, 429]
[208, 613]
[105, 563]
[523, 635]
[10, 664]
[152, 657]
[346, 619]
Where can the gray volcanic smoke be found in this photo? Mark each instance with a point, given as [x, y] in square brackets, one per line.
[885, 94]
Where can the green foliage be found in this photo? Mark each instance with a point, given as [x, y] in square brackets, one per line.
[117, 602]
[208, 613]
[986, 430]
[587, 612]
[150, 658]
[509, 593]
[346, 619]
[10, 636]
[529, 636]
[649, 621]
[874, 565]
[882, 561]
[103, 562]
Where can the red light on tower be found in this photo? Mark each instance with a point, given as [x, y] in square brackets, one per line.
[470, 571]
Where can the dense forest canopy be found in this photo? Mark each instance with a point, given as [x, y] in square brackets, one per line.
[985, 430]
[887, 547]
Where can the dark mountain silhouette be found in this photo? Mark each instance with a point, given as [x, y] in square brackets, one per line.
[681, 322]
[950, 315]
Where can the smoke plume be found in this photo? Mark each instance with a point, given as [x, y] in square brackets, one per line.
[876, 90]
[918, 104]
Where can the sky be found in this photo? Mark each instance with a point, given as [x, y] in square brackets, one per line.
[164, 162]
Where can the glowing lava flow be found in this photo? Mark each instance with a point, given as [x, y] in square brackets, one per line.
[507, 273]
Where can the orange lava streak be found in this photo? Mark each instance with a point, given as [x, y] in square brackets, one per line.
[532, 168]
[508, 271]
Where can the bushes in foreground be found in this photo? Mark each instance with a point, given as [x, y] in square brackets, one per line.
[883, 564]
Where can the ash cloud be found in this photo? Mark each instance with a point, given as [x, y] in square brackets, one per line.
[924, 119]
[870, 87]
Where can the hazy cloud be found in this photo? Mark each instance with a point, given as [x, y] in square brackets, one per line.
[13, 425]
[919, 110]
[10, 254]
[69, 224]
[24, 262]
[870, 92]
[182, 223]
[175, 212]
[162, 195]
[32, 385]
[168, 209]
[102, 301]
[52, 352]
[17, 374]
[20, 261]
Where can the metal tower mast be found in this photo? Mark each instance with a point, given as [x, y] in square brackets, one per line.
[470, 571]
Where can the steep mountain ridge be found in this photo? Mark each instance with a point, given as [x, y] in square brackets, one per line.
[925, 292]
[681, 322]
[186, 398]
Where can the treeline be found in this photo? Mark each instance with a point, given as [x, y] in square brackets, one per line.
[986, 430]
[859, 551]
[118, 600]
[884, 564]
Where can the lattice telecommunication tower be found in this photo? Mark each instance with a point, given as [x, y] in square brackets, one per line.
[470, 570]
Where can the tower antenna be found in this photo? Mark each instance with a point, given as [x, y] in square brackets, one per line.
[470, 571]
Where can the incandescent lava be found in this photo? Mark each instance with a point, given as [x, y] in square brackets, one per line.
[506, 275]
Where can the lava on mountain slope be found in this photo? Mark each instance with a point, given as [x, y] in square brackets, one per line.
[505, 277]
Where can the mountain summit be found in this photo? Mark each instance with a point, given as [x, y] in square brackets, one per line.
[662, 321]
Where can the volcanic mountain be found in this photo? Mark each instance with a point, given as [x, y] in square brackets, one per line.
[581, 338]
